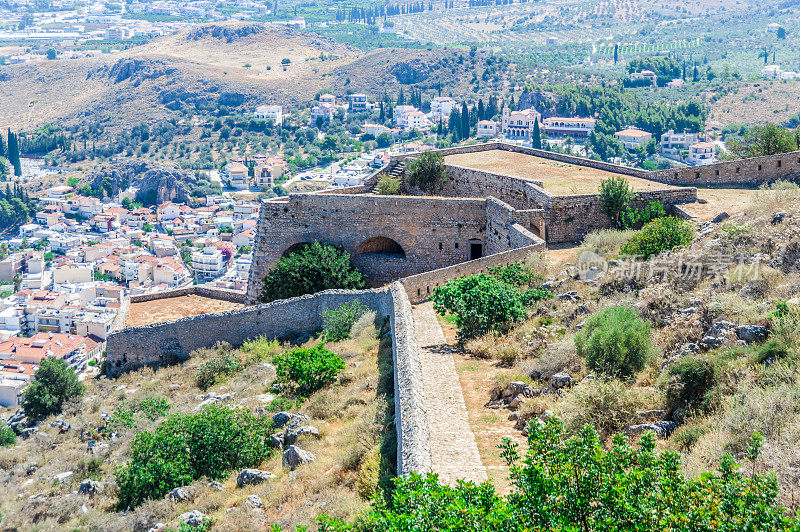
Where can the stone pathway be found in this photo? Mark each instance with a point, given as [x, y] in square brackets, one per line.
[454, 453]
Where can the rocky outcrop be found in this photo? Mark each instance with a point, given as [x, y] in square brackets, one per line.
[137, 70]
[295, 456]
[226, 33]
[90, 487]
[249, 477]
[155, 184]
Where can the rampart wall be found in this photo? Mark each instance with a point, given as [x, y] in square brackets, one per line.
[432, 232]
[223, 294]
[753, 171]
[164, 343]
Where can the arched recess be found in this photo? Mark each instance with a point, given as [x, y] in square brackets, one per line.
[295, 247]
[380, 245]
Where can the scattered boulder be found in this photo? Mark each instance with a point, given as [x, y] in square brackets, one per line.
[214, 485]
[281, 419]
[752, 333]
[213, 398]
[254, 502]
[720, 217]
[778, 217]
[160, 527]
[90, 487]
[292, 435]
[249, 477]
[193, 518]
[561, 380]
[64, 477]
[178, 495]
[662, 429]
[569, 296]
[516, 402]
[295, 456]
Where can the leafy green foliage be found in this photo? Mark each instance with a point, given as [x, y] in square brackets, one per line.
[262, 348]
[615, 341]
[124, 416]
[658, 236]
[219, 366]
[691, 381]
[768, 139]
[480, 303]
[54, 384]
[339, 321]
[427, 172]
[635, 218]
[615, 195]
[388, 186]
[574, 484]
[187, 447]
[665, 68]
[312, 268]
[7, 436]
[307, 369]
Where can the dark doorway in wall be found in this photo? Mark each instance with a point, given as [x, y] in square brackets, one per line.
[475, 250]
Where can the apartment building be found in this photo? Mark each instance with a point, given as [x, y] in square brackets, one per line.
[207, 264]
[270, 112]
[575, 127]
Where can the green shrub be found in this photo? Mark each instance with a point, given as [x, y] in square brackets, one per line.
[388, 186]
[691, 382]
[7, 436]
[338, 322]
[616, 341]
[658, 236]
[53, 384]
[187, 447]
[575, 484]
[480, 303]
[615, 195]
[262, 348]
[219, 366]
[312, 268]
[772, 350]
[308, 369]
[427, 172]
[636, 218]
[152, 407]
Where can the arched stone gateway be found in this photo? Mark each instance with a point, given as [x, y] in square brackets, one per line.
[295, 247]
[381, 245]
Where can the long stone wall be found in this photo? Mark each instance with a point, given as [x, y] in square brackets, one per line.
[234, 296]
[753, 171]
[420, 286]
[166, 343]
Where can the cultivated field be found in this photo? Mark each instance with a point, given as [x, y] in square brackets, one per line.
[557, 177]
[174, 308]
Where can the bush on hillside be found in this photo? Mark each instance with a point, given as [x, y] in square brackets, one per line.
[691, 381]
[187, 447]
[480, 303]
[312, 268]
[339, 321]
[218, 367]
[575, 484]
[636, 218]
[427, 172]
[54, 384]
[615, 342]
[307, 369]
[658, 236]
[7, 436]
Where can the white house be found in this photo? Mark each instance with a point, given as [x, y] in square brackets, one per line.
[568, 127]
[672, 144]
[771, 72]
[237, 175]
[400, 112]
[644, 75]
[442, 106]
[359, 103]
[327, 98]
[519, 124]
[207, 264]
[374, 129]
[487, 129]
[417, 120]
[323, 110]
[270, 112]
[702, 153]
[632, 138]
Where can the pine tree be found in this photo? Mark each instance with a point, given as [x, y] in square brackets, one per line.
[536, 136]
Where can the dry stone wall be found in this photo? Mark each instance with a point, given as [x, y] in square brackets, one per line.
[234, 296]
[753, 171]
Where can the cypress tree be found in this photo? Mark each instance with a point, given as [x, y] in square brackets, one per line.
[481, 110]
[464, 121]
[13, 153]
[536, 136]
[616, 53]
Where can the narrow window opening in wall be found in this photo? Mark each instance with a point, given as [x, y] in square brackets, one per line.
[779, 164]
[475, 249]
[697, 175]
[716, 172]
[676, 175]
[440, 246]
[737, 169]
[759, 167]
[419, 291]
[428, 289]
[456, 245]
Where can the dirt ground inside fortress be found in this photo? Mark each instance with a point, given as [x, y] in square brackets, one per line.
[174, 308]
[557, 177]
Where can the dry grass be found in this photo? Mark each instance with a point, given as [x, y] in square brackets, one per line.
[351, 416]
[173, 308]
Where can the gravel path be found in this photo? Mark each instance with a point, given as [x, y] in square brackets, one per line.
[454, 453]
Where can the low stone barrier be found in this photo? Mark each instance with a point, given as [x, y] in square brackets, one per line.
[223, 294]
